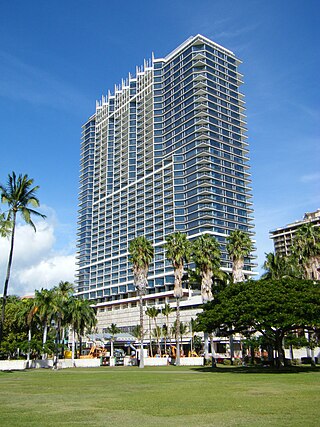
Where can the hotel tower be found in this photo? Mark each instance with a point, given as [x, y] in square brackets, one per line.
[164, 151]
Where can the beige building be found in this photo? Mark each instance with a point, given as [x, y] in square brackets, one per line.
[283, 236]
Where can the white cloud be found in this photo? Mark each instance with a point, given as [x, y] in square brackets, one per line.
[36, 263]
[312, 177]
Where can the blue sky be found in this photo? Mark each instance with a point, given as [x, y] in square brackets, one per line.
[58, 57]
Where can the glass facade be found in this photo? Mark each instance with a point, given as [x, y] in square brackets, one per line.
[166, 151]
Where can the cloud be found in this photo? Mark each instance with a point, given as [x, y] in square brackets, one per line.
[36, 262]
[312, 177]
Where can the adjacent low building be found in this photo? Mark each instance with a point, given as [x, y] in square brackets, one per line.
[283, 236]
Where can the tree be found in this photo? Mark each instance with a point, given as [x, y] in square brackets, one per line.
[306, 249]
[206, 256]
[178, 251]
[113, 330]
[61, 296]
[153, 313]
[80, 316]
[279, 266]
[43, 305]
[239, 246]
[166, 311]
[272, 308]
[140, 255]
[19, 194]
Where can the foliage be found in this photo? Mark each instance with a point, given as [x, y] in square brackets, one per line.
[239, 246]
[140, 255]
[19, 194]
[270, 307]
[306, 249]
[206, 256]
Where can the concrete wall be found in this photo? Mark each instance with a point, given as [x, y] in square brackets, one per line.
[18, 365]
[191, 361]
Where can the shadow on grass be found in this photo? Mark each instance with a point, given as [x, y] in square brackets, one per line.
[257, 369]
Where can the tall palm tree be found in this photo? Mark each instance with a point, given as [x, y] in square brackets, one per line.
[62, 294]
[166, 311]
[43, 306]
[113, 330]
[19, 194]
[178, 251]
[206, 256]
[140, 255]
[80, 316]
[153, 313]
[239, 246]
[306, 248]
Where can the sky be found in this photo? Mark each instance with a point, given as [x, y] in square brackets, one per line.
[58, 57]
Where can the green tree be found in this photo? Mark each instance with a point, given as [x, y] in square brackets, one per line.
[178, 251]
[43, 306]
[271, 307]
[206, 256]
[19, 194]
[306, 249]
[166, 311]
[113, 330]
[153, 313]
[61, 296]
[279, 266]
[239, 246]
[140, 255]
[80, 316]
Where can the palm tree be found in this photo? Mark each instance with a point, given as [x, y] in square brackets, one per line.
[18, 194]
[206, 256]
[80, 316]
[183, 329]
[61, 296]
[140, 255]
[178, 251]
[239, 246]
[43, 306]
[306, 249]
[279, 266]
[166, 311]
[153, 313]
[113, 330]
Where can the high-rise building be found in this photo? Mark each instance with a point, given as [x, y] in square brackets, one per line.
[283, 236]
[165, 151]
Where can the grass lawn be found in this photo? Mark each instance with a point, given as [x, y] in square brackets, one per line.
[165, 396]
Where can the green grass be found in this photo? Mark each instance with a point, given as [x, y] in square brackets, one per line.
[168, 396]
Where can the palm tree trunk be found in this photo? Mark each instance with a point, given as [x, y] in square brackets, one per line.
[29, 348]
[73, 346]
[6, 283]
[178, 333]
[150, 338]
[206, 346]
[141, 365]
[44, 339]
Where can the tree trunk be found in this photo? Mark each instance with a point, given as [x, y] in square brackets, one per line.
[178, 333]
[150, 338]
[237, 267]
[141, 365]
[206, 346]
[213, 352]
[73, 346]
[6, 283]
[29, 348]
[206, 286]
[44, 339]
